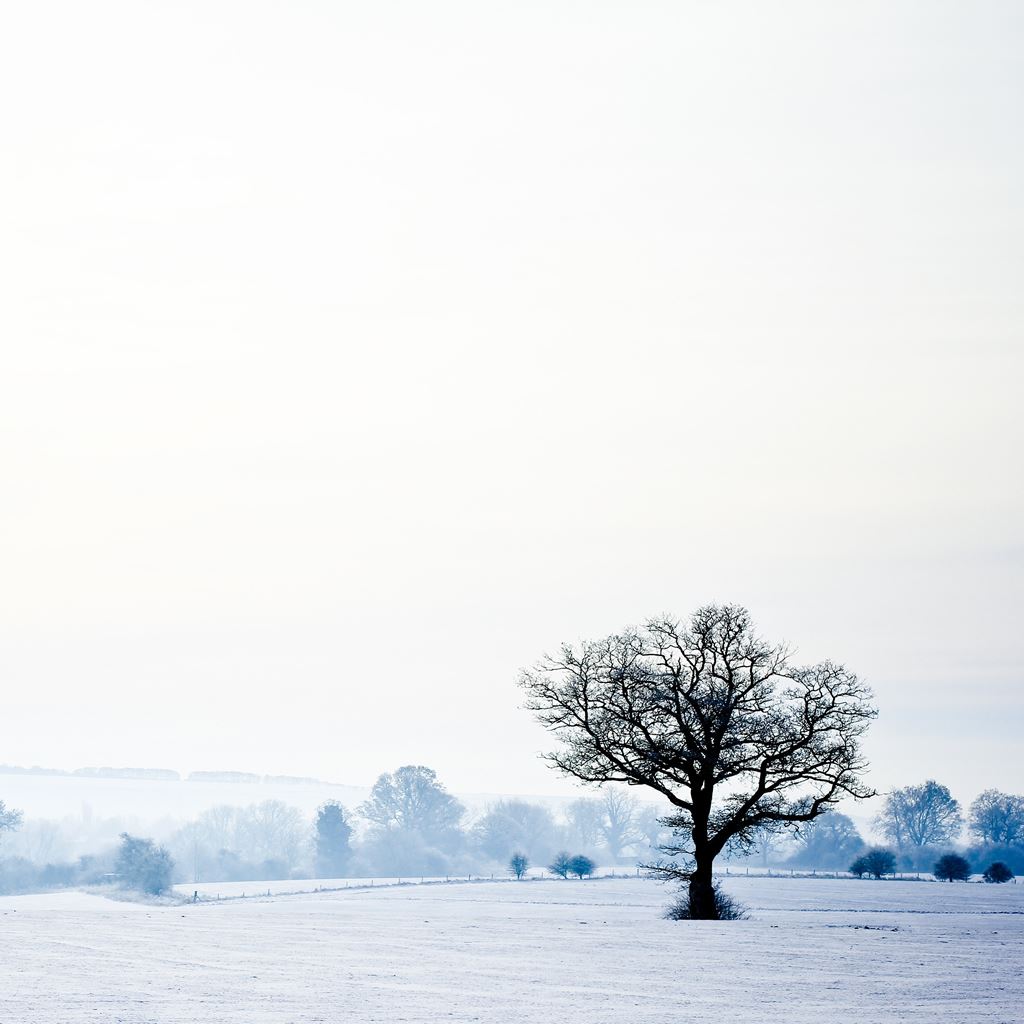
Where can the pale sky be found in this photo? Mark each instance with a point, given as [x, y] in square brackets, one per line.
[355, 354]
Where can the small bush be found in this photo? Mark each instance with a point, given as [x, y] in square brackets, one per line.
[728, 909]
[997, 872]
[581, 866]
[518, 864]
[876, 862]
[561, 865]
[952, 868]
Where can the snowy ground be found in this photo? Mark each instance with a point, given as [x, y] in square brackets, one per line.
[235, 890]
[592, 952]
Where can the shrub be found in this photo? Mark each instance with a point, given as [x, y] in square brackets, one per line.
[581, 865]
[561, 865]
[952, 867]
[17, 874]
[518, 864]
[997, 872]
[143, 865]
[726, 907]
[876, 862]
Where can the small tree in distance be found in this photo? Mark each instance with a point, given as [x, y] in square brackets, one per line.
[952, 868]
[412, 799]
[518, 864]
[581, 866]
[10, 819]
[561, 865]
[997, 872]
[143, 865]
[998, 818]
[915, 817]
[876, 862]
[333, 840]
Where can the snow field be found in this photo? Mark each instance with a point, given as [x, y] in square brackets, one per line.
[591, 952]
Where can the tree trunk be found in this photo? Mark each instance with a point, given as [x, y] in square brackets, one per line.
[703, 906]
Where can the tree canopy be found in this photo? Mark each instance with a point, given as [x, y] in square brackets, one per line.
[413, 800]
[920, 816]
[733, 734]
[997, 818]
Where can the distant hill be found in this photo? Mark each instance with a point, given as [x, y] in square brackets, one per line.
[158, 774]
[161, 774]
[248, 777]
[166, 775]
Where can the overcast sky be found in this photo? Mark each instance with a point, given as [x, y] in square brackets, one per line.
[354, 354]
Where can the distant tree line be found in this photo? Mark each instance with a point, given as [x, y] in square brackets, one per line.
[410, 825]
[923, 823]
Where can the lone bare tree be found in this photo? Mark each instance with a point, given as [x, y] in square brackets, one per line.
[713, 718]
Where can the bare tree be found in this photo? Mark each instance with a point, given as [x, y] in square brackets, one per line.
[827, 842]
[919, 816]
[41, 841]
[649, 823]
[584, 818]
[561, 865]
[713, 718]
[518, 864]
[763, 847]
[221, 827]
[275, 832]
[510, 825]
[997, 818]
[265, 840]
[618, 822]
